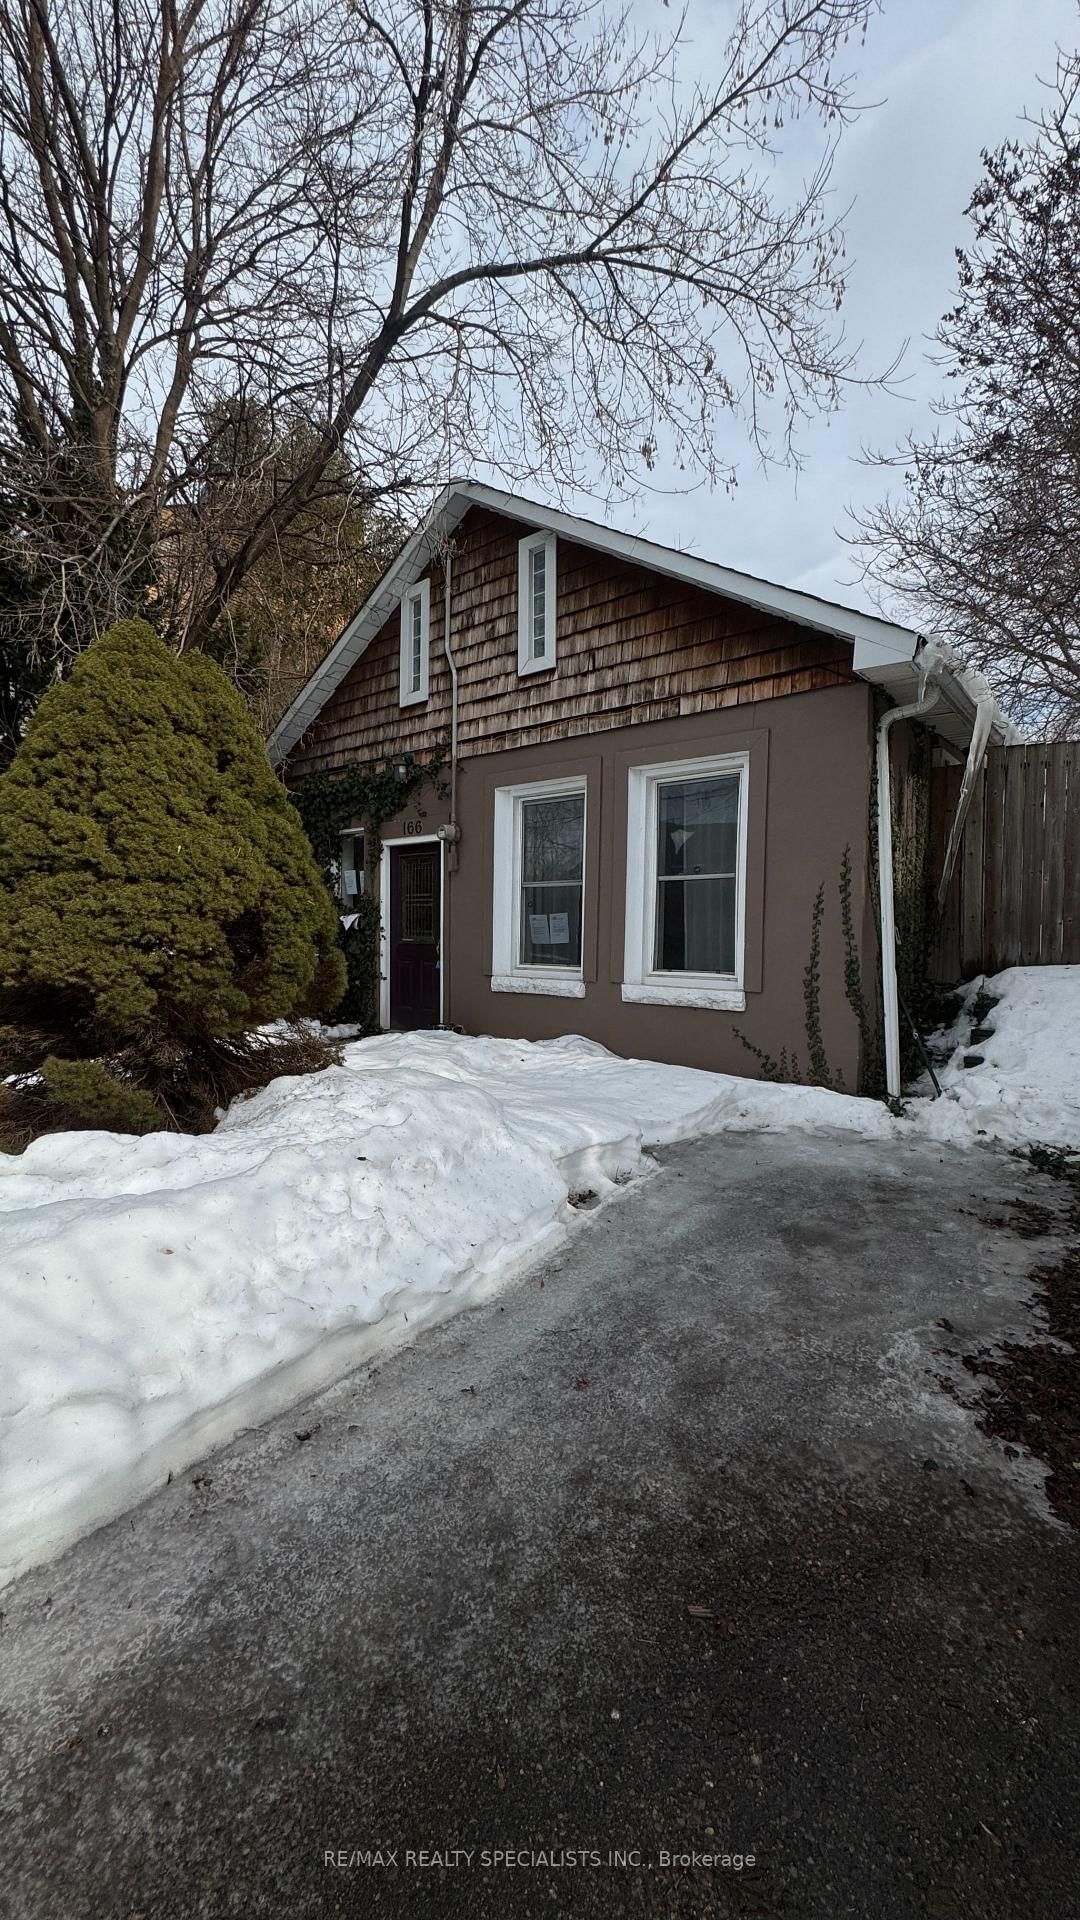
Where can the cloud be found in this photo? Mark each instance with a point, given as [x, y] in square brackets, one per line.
[952, 80]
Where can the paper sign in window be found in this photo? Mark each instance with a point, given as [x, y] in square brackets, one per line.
[558, 929]
[538, 928]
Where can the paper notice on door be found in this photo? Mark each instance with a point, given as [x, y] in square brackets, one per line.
[559, 929]
[538, 929]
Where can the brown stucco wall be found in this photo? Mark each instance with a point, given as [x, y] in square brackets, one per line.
[809, 785]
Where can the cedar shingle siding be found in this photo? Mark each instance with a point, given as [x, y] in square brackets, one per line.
[632, 646]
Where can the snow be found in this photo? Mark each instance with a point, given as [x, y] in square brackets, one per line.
[159, 1294]
[1027, 1088]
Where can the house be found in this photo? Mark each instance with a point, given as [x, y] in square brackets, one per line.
[655, 764]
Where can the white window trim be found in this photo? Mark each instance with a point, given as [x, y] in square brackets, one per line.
[556, 987]
[507, 974]
[643, 984]
[526, 549]
[420, 591]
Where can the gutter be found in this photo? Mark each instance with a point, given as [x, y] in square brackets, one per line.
[943, 681]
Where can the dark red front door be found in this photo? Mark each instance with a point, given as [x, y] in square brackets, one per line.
[414, 936]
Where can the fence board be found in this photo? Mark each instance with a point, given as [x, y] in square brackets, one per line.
[1070, 866]
[1014, 898]
[944, 792]
[1008, 952]
[970, 862]
[1031, 876]
[1053, 859]
[994, 885]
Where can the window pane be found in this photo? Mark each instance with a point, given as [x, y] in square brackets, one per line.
[538, 577]
[550, 925]
[697, 824]
[417, 635]
[695, 926]
[419, 901]
[552, 838]
[352, 866]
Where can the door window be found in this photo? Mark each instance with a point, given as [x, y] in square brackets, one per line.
[419, 899]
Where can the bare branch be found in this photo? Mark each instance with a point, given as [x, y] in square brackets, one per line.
[510, 233]
[983, 545]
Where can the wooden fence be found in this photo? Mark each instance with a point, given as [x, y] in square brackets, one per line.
[1014, 899]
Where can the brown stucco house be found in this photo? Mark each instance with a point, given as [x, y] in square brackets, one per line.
[653, 763]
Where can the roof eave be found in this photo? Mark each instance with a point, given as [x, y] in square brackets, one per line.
[954, 718]
[883, 653]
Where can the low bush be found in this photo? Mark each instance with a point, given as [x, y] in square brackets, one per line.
[155, 1087]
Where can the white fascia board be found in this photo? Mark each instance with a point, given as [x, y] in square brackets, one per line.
[877, 641]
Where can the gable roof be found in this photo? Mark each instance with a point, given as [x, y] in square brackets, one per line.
[882, 651]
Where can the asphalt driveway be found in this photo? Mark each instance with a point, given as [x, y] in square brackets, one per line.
[675, 1554]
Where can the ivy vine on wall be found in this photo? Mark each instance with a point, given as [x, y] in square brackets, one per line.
[328, 803]
[818, 1073]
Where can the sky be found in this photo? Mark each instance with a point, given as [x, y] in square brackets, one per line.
[951, 77]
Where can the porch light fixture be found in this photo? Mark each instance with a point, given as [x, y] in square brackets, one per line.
[403, 765]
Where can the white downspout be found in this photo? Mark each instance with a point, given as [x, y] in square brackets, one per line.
[452, 664]
[928, 699]
[451, 833]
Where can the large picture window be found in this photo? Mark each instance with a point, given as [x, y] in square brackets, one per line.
[685, 904]
[697, 843]
[552, 868]
[539, 888]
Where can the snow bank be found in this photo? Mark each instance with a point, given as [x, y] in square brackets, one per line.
[159, 1294]
[1028, 1085]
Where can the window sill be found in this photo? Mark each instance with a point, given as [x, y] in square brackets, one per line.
[556, 988]
[713, 999]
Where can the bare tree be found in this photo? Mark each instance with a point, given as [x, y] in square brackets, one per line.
[983, 547]
[505, 232]
[295, 599]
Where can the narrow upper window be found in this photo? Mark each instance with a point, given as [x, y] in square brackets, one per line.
[686, 882]
[415, 643]
[536, 602]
